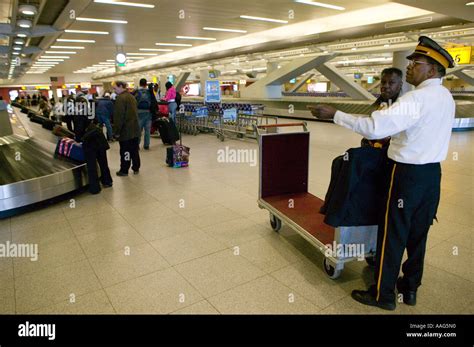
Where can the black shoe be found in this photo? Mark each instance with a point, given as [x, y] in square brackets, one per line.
[366, 298]
[108, 185]
[119, 173]
[146, 148]
[409, 296]
[136, 172]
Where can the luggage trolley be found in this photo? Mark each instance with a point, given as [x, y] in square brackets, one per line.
[283, 191]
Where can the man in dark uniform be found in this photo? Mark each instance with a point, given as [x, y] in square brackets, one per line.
[419, 124]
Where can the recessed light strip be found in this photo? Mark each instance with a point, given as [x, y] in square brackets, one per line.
[123, 3]
[98, 20]
[60, 52]
[74, 40]
[155, 50]
[320, 4]
[265, 19]
[67, 47]
[196, 38]
[174, 44]
[86, 32]
[226, 30]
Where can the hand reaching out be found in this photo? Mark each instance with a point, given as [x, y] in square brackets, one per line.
[324, 112]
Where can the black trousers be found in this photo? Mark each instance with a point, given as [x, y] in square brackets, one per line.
[92, 158]
[129, 155]
[411, 202]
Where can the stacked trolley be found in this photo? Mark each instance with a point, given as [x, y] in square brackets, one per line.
[283, 191]
[235, 120]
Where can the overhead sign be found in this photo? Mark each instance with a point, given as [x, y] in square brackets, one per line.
[461, 55]
[213, 91]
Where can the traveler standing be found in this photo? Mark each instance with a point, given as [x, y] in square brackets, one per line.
[104, 112]
[170, 97]
[420, 124]
[126, 129]
[144, 103]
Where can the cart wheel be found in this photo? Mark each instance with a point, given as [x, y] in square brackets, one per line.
[275, 223]
[370, 261]
[330, 270]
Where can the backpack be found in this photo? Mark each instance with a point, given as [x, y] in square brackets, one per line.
[178, 98]
[144, 100]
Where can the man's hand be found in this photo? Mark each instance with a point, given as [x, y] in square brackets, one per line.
[324, 112]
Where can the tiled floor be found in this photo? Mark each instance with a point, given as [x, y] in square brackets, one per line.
[194, 241]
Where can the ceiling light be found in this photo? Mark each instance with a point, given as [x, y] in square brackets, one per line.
[110, 60]
[386, 45]
[83, 19]
[320, 4]
[265, 19]
[354, 49]
[17, 48]
[28, 10]
[156, 50]
[131, 4]
[67, 47]
[73, 40]
[55, 56]
[24, 23]
[43, 59]
[60, 52]
[153, 54]
[470, 3]
[87, 32]
[21, 35]
[196, 38]
[19, 41]
[227, 30]
[174, 44]
[15, 53]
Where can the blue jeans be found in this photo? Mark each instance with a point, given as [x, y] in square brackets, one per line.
[172, 106]
[144, 121]
[104, 119]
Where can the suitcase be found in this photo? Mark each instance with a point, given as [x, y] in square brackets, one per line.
[168, 131]
[36, 118]
[48, 124]
[61, 131]
[71, 149]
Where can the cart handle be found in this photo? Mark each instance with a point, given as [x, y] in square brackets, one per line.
[257, 127]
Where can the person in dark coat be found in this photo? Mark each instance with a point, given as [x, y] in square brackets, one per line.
[95, 148]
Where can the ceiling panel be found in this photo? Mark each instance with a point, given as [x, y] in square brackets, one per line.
[163, 23]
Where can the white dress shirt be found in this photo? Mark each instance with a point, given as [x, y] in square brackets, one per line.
[419, 122]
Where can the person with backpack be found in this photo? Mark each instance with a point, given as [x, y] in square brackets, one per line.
[144, 103]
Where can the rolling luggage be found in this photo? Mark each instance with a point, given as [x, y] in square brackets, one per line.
[61, 131]
[168, 132]
[35, 118]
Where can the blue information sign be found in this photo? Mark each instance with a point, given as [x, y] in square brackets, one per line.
[213, 91]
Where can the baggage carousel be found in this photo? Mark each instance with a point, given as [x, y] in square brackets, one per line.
[30, 174]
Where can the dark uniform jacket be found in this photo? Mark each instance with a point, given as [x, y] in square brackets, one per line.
[126, 117]
[354, 196]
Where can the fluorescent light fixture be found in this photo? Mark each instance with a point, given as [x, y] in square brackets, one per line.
[24, 23]
[174, 44]
[86, 32]
[226, 30]
[15, 53]
[196, 38]
[123, 3]
[17, 48]
[155, 50]
[386, 45]
[136, 58]
[67, 47]
[354, 49]
[320, 4]
[60, 52]
[44, 59]
[112, 60]
[117, 21]
[21, 35]
[46, 63]
[105, 63]
[73, 40]
[470, 3]
[153, 54]
[55, 56]
[19, 41]
[28, 10]
[265, 19]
